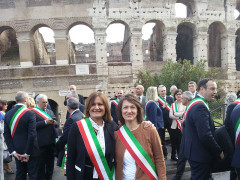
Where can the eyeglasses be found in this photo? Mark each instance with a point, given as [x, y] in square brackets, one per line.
[178, 94]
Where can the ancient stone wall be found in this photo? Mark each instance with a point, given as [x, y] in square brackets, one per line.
[26, 16]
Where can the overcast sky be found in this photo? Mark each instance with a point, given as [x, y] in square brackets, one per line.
[115, 32]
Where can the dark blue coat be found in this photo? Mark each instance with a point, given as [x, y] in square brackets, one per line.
[199, 142]
[154, 114]
[114, 112]
[235, 117]
[166, 118]
[25, 137]
[46, 133]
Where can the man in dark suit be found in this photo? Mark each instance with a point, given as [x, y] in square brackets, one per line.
[21, 137]
[80, 97]
[235, 127]
[200, 147]
[164, 103]
[114, 105]
[75, 115]
[192, 87]
[46, 134]
[139, 93]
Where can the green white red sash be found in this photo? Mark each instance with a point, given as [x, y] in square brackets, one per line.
[237, 101]
[94, 149]
[162, 101]
[195, 101]
[64, 161]
[171, 95]
[138, 153]
[115, 102]
[237, 132]
[15, 119]
[174, 108]
[41, 113]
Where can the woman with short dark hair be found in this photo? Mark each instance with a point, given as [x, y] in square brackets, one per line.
[91, 146]
[138, 150]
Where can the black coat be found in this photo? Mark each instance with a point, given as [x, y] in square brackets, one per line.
[199, 142]
[76, 116]
[46, 133]
[25, 137]
[79, 165]
[80, 97]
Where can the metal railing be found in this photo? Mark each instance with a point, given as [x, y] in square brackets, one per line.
[218, 112]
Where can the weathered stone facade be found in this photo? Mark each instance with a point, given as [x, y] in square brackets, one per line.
[212, 35]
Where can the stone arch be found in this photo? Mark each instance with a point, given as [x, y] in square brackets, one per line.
[237, 50]
[186, 32]
[44, 52]
[154, 45]
[216, 43]
[190, 4]
[119, 51]
[81, 52]
[9, 48]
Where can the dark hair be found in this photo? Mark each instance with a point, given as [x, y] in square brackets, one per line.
[177, 91]
[73, 103]
[203, 83]
[90, 101]
[134, 100]
[2, 103]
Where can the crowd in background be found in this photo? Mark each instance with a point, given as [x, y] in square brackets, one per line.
[127, 133]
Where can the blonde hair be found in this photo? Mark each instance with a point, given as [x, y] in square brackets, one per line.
[151, 94]
[31, 102]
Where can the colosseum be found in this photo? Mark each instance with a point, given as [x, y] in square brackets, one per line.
[209, 32]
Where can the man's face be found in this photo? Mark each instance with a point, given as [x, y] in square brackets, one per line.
[210, 92]
[192, 88]
[133, 91]
[120, 94]
[43, 103]
[139, 90]
[162, 91]
[72, 88]
[185, 101]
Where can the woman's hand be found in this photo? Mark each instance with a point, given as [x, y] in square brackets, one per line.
[148, 124]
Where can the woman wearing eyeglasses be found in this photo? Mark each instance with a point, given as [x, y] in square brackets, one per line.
[176, 114]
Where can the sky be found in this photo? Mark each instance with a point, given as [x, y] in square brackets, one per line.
[115, 32]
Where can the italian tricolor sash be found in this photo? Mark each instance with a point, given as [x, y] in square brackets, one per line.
[64, 161]
[115, 102]
[237, 132]
[195, 101]
[94, 149]
[41, 113]
[2, 112]
[15, 119]
[138, 153]
[162, 101]
[171, 95]
[174, 108]
[237, 101]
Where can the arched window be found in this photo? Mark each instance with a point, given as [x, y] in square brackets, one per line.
[82, 44]
[184, 8]
[118, 42]
[153, 41]
[9, 48]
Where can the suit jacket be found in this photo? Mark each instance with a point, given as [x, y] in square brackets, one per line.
[76, 116]
[199, 130]
[79, 165]
[234, 119]
[114, 112]
[143, 102]
[46, 133]
[166, 118]
[80, 97]
[154, 114]
[25, 137]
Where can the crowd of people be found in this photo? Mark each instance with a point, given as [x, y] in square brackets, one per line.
[120, 139]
